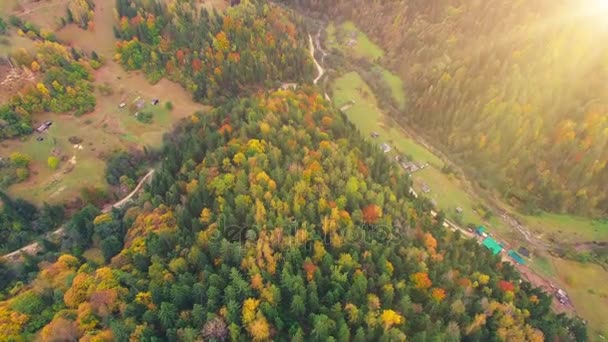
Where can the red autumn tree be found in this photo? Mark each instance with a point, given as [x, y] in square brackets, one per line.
[371, 214]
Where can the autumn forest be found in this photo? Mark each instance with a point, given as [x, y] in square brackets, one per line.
[267, 214]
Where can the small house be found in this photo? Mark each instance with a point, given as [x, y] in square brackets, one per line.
[385, 147]
[524, 251]
[287, 86]
[375, 134]
[518, 259]
[481, 231]
[45, 126]
[122, 105]
[425, 188]
[155, 102]
[562, 296]
[492, 245]
[459, 210]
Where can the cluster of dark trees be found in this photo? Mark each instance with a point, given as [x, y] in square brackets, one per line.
[214, 56]
[501, 91]
[21, 222]
[272, 218]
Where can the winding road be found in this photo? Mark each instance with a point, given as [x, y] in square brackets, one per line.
[320, 69]
[35, 247]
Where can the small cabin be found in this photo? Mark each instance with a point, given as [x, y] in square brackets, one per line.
[155, 102]
[122, 105]
[375, 134]
[45, 126]
[385, 147]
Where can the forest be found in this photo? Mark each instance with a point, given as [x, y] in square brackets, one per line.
[214, 56]
[272, 218]
[269, 217]
[515, 91]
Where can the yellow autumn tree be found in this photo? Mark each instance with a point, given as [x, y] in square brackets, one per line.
[391, 318]
[259, 329]
[250, 307]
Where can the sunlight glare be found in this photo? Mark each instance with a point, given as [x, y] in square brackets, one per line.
[599, 5]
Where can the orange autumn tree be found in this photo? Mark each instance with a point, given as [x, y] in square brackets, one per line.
[438, 294]
[421, 280]
[371, 214]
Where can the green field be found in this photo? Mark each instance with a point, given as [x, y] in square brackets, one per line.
[568, 228]
[108, 128]
[586, 286]
[348, 38]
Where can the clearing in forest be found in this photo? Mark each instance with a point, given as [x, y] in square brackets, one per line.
[108, 128]
[348, 38]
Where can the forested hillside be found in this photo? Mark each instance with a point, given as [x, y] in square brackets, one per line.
[214, 56]
[272, 218]
[517, 90]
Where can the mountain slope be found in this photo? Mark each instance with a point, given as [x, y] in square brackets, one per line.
[518, 91]
[271, 218]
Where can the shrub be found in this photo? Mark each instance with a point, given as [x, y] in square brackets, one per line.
[22, 174]
[74, 140]
[144, 117]
[53, 162]
[19, 159]
[169, 105]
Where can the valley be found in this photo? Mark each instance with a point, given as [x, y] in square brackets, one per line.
[542, 234]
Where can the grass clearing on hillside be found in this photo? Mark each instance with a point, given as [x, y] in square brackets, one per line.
[568, 228]
[585, 284]
[106, 129]
[44, 14]
[348, 38]
[395, 83]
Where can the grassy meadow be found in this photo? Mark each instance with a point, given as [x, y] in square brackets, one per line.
[108, 128]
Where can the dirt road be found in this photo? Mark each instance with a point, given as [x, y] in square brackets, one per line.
[320, 69]
[35, 247]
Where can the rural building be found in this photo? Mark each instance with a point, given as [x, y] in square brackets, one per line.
[481, 231]
[562, 296]
[459, 210]
[287, 86]
[409, 166]
[425, 188]
[155, 102]
[375, 134]
[518, 259]
[122, 105]
[42, 128]
[385, 147]
[492, 245]
[524, 251]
